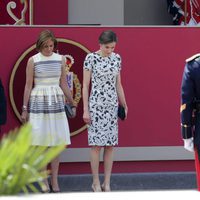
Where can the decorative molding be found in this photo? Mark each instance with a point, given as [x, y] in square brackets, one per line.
[31, 12]
[22, 21]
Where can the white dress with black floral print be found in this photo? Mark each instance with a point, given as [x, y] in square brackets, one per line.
[103, 100]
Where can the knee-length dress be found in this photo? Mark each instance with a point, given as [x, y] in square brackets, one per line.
[46, 104]
[103, 99]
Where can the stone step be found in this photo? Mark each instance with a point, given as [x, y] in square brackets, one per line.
[132, 181]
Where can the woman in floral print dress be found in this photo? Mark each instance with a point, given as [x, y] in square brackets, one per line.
[102, 69]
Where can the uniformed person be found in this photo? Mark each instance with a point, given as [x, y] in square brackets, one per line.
[190, 109]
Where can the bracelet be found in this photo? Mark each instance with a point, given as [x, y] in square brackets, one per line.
[24, 108]
[73, 105]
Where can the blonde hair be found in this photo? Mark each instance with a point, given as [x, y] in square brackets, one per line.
[43, 37]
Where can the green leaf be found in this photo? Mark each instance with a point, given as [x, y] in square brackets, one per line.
[21, 164]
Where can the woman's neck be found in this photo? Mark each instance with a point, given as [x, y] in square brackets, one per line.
[101, 53]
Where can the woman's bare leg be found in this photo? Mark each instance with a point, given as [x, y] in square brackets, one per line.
[94, 162]
[45, 181]
[108, 163]
[54, 174]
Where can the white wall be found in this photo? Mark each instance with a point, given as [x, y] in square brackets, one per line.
[104, 12]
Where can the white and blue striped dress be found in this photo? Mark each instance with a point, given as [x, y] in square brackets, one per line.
[46, 105]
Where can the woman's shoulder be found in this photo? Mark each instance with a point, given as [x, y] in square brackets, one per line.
[116, 56]
[90, 56]
[57, 54]
[35, 56]
[40, 57]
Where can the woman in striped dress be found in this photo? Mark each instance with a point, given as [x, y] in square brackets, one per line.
[45, 101]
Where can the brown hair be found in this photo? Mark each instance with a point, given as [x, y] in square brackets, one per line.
[107, 37]
[43, 37]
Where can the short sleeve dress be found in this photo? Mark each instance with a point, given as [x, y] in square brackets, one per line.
[103, 99]
[46, 104]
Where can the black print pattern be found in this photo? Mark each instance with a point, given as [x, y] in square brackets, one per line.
[103, 101]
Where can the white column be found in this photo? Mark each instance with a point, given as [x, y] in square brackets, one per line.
[104, 12]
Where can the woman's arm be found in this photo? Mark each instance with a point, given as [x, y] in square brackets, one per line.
[64, 86]
[28, 88]
[85, 91]
[120, 94]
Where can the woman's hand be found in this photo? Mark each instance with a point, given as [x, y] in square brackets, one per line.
[24, 116]
[86, 117]
[126, 111]
[74, 111]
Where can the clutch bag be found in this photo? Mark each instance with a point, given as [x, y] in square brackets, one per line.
[69, 111]
[121, 112]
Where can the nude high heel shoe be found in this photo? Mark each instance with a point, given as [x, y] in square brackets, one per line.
[105, 188]
[96, 188]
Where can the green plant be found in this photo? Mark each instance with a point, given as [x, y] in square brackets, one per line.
[21, 163]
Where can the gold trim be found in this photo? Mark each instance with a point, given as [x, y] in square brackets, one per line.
[192, 57]
[31, 12]
[78, 131]
[74, 43]
[77, 84]
[21, 21]
[183, 107]
[12, 79]
[76, 81]
[185, 125]
[12, 5]
[17, 65]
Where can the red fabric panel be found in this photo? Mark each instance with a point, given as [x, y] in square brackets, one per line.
[130, 167]
[153, 59]
[50, 12]
[197, 167]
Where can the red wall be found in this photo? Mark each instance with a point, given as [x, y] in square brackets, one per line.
[48, 12]
[153, 60]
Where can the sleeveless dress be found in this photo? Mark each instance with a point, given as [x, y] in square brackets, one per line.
[103, 100]
[46, 105]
